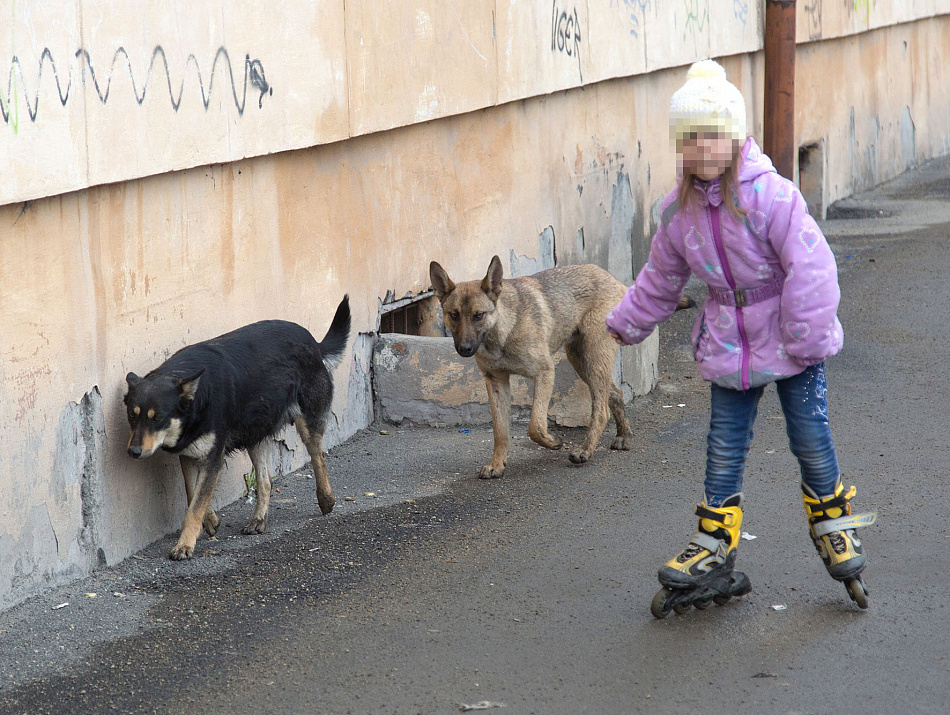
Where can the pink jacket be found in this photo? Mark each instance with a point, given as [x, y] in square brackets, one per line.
[773, 282]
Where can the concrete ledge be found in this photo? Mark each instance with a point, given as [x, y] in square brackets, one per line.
[424, 381]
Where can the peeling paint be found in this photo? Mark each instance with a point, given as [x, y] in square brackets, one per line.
[547, 256]
[451, 383]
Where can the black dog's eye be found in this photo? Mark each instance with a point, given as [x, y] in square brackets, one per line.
[156, 418]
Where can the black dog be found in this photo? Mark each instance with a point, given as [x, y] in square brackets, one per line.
[234, 392]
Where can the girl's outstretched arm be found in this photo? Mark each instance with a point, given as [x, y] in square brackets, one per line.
[655, 294]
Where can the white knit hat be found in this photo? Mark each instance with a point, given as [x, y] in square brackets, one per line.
[707, 102]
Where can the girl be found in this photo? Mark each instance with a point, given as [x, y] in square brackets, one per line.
[770, 316]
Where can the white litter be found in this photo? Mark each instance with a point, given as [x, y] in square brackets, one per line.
[62, 605]
[779, 608]
[682, 404]
[483, 705]
[748, 537]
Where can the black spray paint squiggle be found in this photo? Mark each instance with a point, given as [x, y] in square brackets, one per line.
[253, 75]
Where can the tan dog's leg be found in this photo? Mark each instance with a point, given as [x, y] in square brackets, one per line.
[499, 399]
[538, 427]
[205, 483]
[593, 359]
[624, 438]
[313, 440]
[189, 470]
[260, 460]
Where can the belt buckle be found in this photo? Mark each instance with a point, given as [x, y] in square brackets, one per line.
[740, 299]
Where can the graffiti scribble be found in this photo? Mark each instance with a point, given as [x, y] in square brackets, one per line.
[740, 9]
[566, 34]
[636, 9]
[862, 6]
[9, 106]
[696, 17]
[813, 11]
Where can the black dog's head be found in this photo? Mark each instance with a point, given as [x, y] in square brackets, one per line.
[157, 405]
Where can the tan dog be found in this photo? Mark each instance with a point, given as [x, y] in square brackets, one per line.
[517, 325]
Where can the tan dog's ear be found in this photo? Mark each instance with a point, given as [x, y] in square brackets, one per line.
[491, 283]
[441, 283]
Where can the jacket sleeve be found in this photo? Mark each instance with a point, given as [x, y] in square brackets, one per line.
[808, 311]
[653, 296]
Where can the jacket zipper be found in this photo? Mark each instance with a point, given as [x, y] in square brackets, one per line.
[745, 365]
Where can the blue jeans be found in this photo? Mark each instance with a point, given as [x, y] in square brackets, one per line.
[732, 412]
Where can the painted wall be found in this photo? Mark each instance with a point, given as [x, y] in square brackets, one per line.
[172, 172]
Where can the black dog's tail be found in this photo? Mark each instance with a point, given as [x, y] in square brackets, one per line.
[334, 342]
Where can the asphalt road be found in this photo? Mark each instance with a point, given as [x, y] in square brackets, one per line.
[531, 593]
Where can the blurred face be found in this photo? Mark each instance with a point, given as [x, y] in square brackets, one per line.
[707, 154]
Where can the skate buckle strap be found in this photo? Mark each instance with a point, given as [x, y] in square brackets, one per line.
[843, 523]
[840, 501]
[720, 517]
[710, 543]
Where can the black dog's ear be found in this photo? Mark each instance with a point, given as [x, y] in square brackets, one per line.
[491, 283]
[441, 283]
[132, 379]
[187, 387]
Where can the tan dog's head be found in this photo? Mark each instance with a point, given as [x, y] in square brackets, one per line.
[470, 308]
[156, 406]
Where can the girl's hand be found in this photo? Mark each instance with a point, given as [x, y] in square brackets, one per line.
[616, 337]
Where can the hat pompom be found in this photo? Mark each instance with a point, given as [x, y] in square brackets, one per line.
[708, 101]
[708, 69]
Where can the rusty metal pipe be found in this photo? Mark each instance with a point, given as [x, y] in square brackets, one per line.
[779, 109]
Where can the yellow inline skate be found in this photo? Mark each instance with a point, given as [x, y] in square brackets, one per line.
[832, 526]
[704, 572]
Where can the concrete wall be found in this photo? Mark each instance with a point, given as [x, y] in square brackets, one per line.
[172, 198]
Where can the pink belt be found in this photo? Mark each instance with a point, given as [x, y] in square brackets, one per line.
[741, 298]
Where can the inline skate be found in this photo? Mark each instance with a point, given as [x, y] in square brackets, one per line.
[832, 526]
[703, 573]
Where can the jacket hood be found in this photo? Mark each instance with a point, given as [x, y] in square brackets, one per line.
[754, 162]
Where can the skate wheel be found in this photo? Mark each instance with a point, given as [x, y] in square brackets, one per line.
[703, 603]
[658, 606]
[858, 592]
[681, 608]
[741, 584]
[721, 599]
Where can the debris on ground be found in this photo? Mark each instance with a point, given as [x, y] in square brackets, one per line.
[483, 705]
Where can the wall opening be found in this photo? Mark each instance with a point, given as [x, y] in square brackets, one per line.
[811, 177]
[412, 316]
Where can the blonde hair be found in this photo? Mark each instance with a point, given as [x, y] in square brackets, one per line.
[729, 187]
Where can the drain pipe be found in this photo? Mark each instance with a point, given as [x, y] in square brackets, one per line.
[779, 110]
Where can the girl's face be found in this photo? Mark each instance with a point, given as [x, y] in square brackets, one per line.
[707, 154]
